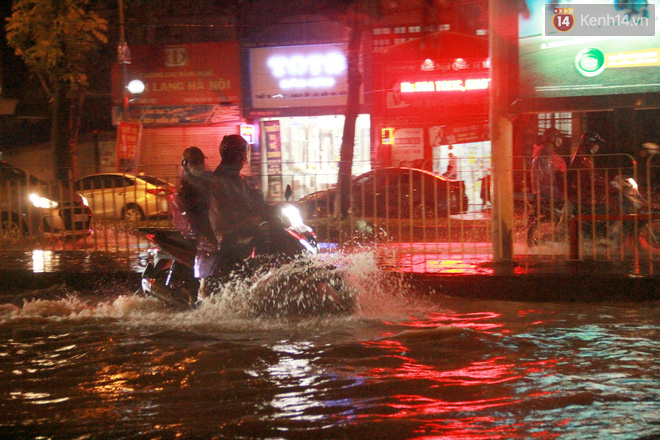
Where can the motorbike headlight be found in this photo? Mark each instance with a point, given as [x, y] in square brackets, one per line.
[42, 202]
[293, 215]
[632, 182]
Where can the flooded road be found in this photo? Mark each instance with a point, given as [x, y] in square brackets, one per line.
[407, 364]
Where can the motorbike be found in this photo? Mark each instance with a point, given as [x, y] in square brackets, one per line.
[277, 263]
[559, 222]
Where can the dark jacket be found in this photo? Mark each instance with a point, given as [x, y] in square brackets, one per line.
[234, 208]
[585, 180]
[547, 173]
[190, 206]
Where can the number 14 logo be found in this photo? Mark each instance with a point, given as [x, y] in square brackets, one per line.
[563, 22]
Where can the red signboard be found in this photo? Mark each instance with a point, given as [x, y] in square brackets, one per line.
[186, 74]
[128, 145]
[441, 74]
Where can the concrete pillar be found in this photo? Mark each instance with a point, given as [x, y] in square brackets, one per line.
[503, 44]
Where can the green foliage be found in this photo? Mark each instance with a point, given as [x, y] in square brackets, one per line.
[55, 37]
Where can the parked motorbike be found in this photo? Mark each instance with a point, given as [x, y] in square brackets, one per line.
[284, 278]
[551, 224]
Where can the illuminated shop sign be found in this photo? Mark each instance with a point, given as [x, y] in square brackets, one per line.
[298, 76]
[314, 71]
[454, 85]
[387, 136]
[247, 131]
[192, 74]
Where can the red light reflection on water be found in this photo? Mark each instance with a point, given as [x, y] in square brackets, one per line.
[442, 258]
[487, 372]
[465, 320]
[446, 396]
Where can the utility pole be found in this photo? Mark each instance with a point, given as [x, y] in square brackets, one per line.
[503, 45]
[124, 58]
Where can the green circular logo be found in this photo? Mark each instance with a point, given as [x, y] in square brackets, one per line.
[590, 61]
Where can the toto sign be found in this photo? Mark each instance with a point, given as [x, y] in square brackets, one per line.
[298, 76]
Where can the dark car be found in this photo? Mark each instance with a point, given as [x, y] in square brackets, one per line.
[29, 206]
[393, 193]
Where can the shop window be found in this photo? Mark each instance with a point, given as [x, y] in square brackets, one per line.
[310, 150]
[561, 121]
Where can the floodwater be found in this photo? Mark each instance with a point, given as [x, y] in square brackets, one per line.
[405, 365]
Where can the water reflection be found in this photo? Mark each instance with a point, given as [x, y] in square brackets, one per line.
[403, 367]
[296, 379]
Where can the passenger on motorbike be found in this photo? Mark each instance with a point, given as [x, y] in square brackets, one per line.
[190, 212]
[236, 211]
[588, 186]
[548, 171]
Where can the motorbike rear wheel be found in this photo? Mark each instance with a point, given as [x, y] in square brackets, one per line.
[172, 283]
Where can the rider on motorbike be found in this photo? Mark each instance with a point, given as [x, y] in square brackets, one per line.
[588, 186]
[236, 211]
[548, 169]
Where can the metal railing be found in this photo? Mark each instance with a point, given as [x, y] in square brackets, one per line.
[414, 219]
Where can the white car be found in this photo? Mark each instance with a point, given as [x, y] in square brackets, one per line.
[126, 196]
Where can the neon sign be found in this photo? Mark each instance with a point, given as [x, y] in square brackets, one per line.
[307, 71]
[457, 85]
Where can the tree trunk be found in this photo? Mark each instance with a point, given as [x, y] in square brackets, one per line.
[75, 113]
[352, 109]
[59, 133]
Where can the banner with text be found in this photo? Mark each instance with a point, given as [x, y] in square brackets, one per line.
[185, 74]
[274, 158]
[128, 145]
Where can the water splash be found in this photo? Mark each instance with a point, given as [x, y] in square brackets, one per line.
[292, 292]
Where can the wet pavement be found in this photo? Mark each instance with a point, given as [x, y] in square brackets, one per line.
[470, 275]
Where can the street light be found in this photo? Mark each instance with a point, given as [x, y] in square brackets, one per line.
[135, 87]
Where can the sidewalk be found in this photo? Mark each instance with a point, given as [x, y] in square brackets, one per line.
[529, 278]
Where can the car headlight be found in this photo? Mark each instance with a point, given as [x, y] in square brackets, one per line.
[84, 200]
[42, 202]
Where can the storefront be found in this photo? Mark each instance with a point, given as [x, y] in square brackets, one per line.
[191, 97]
[605, 80]
[431, 107]
[297, 99]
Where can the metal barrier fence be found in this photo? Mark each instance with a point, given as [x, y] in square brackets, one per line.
[414, 219]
